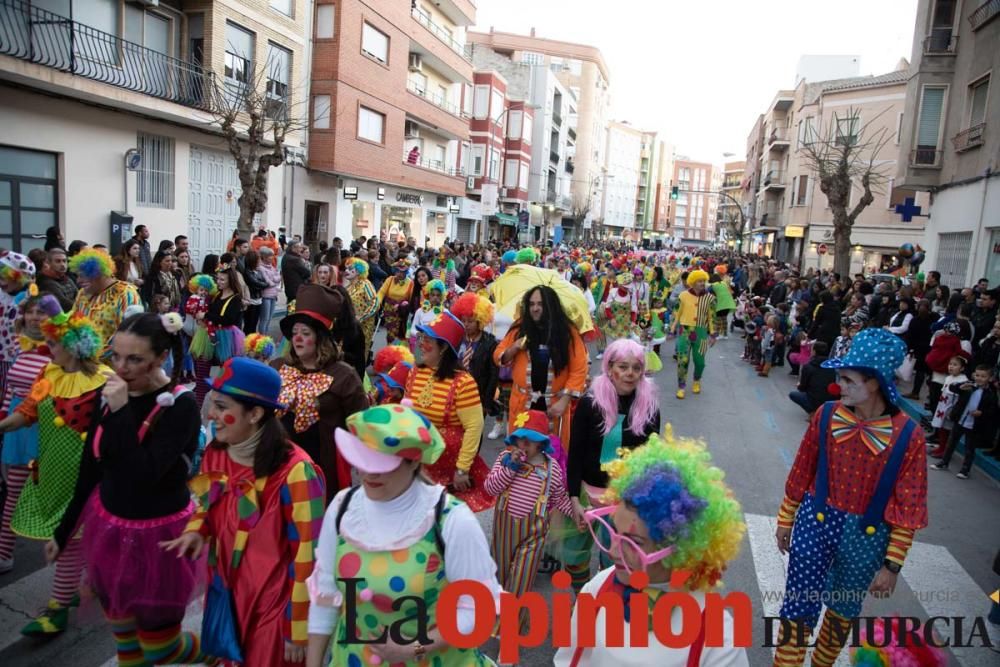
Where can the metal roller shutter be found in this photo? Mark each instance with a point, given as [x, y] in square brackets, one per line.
[953, 258]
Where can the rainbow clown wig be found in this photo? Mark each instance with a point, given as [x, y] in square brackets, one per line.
[203, 281]
[92, 263]
[696, 276]
[436, 285]
[680, 496]
[644, 406]
[73, 332]
[882, 648]
[389, 356]
[359, 265]
[259, 345]
[470, 304]
[17, 271]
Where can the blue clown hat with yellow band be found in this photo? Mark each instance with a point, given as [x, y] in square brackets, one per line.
[876, 351]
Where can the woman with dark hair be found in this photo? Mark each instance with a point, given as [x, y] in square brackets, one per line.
[209, 264]
[139, 461]
[548, 361]
[223, 324]
[448, 396]
[75, 247]
[128, 265]
[920, 344]
[184, 267]
[941, 297]
[53, 238]
[320, 390]
[826, 319]
[163, 278]
[256, 284]
[899, 322]
[260, 507]
[421, 277]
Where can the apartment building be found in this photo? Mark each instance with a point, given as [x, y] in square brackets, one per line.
[86, 82]
[950, 137]
[754, 239]
[693, 218]
[391, 97]
[619, 209]
[790, 216]
[645, 199]
[730, 208]
[663, 184]
[583, 72]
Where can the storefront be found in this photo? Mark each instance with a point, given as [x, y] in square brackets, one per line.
[872, 250]
[364, 208]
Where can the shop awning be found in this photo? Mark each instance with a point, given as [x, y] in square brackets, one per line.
[507, 219]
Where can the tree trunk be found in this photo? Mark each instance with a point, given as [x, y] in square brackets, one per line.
[841, 245]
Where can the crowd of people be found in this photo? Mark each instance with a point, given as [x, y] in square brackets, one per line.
[158, 437]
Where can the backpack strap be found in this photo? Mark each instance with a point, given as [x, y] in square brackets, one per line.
[343, 505]
[438, 513]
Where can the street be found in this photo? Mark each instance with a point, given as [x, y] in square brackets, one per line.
[753, 431]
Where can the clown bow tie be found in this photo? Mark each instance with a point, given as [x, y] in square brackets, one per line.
[875, 433]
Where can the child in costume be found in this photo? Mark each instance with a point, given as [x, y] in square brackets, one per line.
[363, 297]
[20, 447]
[392, 365]
[855, 496]
[394, 300]
[659, 321]
[529, 484]
[443, 269]
[17, 272]
[666, 509]
[64, 402]
[201, 349]
[724, 302]
[941, 421]
[479, 279]
[695, 327]
[259, 347]
[433, 296]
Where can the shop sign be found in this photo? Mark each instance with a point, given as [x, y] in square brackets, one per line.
[350, 192]
[794, 231]
[410, 198]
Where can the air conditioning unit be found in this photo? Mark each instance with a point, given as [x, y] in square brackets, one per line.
[412, 130]
[416, 62]
[470, 183]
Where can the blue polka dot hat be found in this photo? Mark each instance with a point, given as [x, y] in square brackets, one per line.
[378, 439]
[876, 351]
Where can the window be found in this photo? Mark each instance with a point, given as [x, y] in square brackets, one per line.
[371, 125]
[494, 165]
[321, 112]
[239, 55]
[155, 178]
[532, 58]
[847, 131]
[806, 135]
[528, 120]
[440, 153]
[442, 96]
[522, 176]
[929, 125]
[467, 99]
[510, 168]
[99, 14]
[279, 73]
[496, 106]
[802, 195]
[480, 106]
[325, 16]
[978, 92]
[419, 82]
[478, 151]
[374, 43]
[283, 6]
[514, 124]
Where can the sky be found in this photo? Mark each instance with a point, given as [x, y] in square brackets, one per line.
[701, 72]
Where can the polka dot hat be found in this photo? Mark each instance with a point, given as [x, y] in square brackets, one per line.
[379, 438]
[876, 351]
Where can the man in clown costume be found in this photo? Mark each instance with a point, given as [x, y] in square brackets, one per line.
[853, 501]
[694, 324]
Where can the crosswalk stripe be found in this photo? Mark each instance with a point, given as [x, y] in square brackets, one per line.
[20, 601]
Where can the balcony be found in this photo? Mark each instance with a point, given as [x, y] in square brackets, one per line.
[433, 165]
[984, 14]
[48, 39]
[778, 141]
[940, 42]
[928, 158]
[436, 100]
[424, 19]
[970, 138]
[554, 157]
[775, 179]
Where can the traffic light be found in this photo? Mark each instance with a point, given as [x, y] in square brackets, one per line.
[675, 192]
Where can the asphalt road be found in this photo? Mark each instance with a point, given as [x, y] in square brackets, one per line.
[753, 431]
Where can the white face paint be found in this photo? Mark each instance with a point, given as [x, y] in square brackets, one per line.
[853, 387]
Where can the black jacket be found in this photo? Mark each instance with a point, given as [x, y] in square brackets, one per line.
[486, 373]
[826, 326]
[63, 289]
[294, 272]
[255, 282]
[986, 423]
[779, 294]
[814, 381]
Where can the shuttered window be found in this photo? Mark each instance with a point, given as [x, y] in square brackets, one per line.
[929, 125]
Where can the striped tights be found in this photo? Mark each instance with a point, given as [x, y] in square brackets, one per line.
[16, 476]
[137, 647]
[833, 633]
[69, 569]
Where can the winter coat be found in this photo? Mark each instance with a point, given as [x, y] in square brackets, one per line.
[943, 348]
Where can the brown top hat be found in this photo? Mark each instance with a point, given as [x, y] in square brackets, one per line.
[317, 305]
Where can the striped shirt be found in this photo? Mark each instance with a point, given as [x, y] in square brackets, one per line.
[24, 372]
[523, 489]
[466, 394]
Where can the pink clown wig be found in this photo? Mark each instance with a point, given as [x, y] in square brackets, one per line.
[606, 397]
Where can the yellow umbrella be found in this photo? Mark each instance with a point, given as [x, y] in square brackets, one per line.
[509, 289]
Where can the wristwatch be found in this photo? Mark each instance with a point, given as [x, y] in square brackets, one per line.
[462, 473]
[892, 566]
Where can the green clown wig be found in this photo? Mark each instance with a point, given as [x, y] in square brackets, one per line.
[680, 496]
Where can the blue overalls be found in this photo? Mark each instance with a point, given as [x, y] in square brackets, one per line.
[836, 554]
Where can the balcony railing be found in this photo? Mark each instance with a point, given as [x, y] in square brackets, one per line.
[987, 11]
[940, 42]
[925, 157]
[433, 165]
[436, 100]
[554, 156]
[424, 19]
[778, 135]
[969, 138]
[774, 178]
[42, 37]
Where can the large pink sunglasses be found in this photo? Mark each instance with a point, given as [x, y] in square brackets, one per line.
[626, 546]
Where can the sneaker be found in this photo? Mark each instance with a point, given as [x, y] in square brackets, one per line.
[962, 475]
[939, 466]
[696, 387]
[680, 394]
[6, 565]
[49, 623]
[496, 432]
[600, 355]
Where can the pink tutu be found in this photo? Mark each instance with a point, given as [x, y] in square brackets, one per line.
[130, 573]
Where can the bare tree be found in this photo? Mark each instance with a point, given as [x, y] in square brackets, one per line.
[582, 203]
[847, 154]
[255, 115]
[730, 218]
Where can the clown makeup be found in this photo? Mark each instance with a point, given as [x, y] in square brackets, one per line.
[233, 421]
[472, 328]
[627, 523]
[350, 273]
[854, 387]
[62, 357]
[430, 350]
[382, 487]
[530, 450]
[626, 373]
[698, 287]
[304, 342]
[203, 293]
